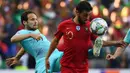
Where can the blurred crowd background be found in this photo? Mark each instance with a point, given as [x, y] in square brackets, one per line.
[51, 13]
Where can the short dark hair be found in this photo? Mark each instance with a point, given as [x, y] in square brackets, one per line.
[24, 16]
[84, 6]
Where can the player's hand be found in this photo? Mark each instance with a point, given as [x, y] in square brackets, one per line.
[110, 57]
[12, 61]
[36, 36]
[47, 65]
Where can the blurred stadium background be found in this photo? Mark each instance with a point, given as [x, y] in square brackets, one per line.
[50, 13]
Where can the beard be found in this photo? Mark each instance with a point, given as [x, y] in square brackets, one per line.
[32, 28]
[81, 21]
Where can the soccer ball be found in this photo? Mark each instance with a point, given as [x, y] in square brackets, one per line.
[98, 26]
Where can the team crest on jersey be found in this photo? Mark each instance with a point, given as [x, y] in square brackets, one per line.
[77, 28]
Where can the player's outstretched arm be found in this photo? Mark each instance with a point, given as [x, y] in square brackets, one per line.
[118, 52]
[15, 60]
[112, 43]
[19, 37]
[53, 45]
[20, 53]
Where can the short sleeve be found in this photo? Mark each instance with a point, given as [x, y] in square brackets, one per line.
[21, 32]
[18, 32]
[127, 37]
[60, 31]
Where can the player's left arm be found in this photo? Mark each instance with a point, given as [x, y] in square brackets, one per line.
[125, 43]
[20, 37]
[118, 52]
[118, 43]
[106, 43]
[20, 53]
[112, 43]
[15, 60]
[120, 49]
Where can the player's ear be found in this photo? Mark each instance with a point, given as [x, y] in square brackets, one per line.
[77, 12]
[74, 11]
[24, 22]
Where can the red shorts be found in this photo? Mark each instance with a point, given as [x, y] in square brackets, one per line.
[65, 69]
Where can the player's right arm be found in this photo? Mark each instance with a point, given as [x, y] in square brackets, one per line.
[56, 39]
[53, 46]
[15, 60]
[20, 37]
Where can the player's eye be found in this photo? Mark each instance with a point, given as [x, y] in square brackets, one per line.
[86, 14]
[32, 19]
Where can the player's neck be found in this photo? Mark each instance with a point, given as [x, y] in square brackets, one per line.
[75, 19]
[30, 29]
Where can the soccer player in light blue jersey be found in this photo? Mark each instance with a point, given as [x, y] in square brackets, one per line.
[34, 43]
[121, 49]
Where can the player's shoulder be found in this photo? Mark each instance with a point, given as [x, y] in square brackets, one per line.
[22, 31]
[65, 22]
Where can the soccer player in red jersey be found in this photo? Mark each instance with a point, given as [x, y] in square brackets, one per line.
[77, 36]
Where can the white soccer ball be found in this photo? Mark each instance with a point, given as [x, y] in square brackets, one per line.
[98, 26]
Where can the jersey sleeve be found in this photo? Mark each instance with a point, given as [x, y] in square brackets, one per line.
[127, 37]
[19, 32]
[60, 31]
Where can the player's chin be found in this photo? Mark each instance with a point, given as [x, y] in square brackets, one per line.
[35, 27]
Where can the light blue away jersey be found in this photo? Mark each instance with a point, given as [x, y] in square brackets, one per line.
[127, 37]
[38, 49]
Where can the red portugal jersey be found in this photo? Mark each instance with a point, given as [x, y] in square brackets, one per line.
[76, 39]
